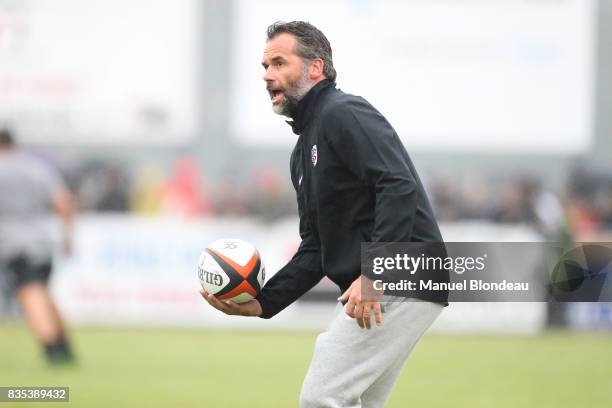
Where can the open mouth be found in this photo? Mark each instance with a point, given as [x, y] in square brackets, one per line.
[275, 95]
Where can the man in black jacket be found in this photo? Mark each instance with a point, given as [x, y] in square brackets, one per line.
[354, 183]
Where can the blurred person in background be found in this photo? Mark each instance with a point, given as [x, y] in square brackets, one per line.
[146, 193]
[102, 186]
[183, 193]
[516, 202]
[29, 193]
[269, 199]
[589, 203]
[230, 197]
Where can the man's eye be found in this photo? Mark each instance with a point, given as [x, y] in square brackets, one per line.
[279, 64]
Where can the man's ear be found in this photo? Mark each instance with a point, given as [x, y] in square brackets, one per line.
[316, 69]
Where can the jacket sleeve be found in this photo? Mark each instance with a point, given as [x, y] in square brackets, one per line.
[366, 144]
[300, 275]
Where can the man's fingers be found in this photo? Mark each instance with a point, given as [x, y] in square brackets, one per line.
[377, 314]
[345, 295]
[359, 315]
[366, 317]
[234, 307]
[207, 297]
[216, 303]
[350, 309]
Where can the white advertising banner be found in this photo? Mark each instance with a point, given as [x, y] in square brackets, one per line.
[135, 271]
[484, 76]
[100, 71]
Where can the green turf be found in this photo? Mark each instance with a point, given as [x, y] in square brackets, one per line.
[197, 368]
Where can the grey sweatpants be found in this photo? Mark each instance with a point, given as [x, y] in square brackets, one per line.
[357, 368]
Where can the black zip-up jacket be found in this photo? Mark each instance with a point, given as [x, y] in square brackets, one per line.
[354, 182]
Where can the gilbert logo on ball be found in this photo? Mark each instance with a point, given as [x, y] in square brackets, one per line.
[231, 269]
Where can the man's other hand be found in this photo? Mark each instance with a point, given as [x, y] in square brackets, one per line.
[358, 308]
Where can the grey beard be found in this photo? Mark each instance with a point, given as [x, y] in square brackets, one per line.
[293, 95]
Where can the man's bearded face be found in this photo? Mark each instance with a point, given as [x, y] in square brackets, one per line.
[286, 76]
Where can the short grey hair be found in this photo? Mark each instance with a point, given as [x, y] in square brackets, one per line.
[312, 43]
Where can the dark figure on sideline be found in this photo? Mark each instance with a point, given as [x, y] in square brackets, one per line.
[29, 193]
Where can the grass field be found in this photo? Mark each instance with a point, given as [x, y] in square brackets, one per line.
[197, 368]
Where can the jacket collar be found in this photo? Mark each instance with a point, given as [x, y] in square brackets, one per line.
[305, 108]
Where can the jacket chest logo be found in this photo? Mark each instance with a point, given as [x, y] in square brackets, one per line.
[314, 155]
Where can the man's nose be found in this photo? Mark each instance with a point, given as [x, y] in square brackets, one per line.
[268, 76]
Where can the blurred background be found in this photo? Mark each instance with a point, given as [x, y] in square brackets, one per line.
[156, 115]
